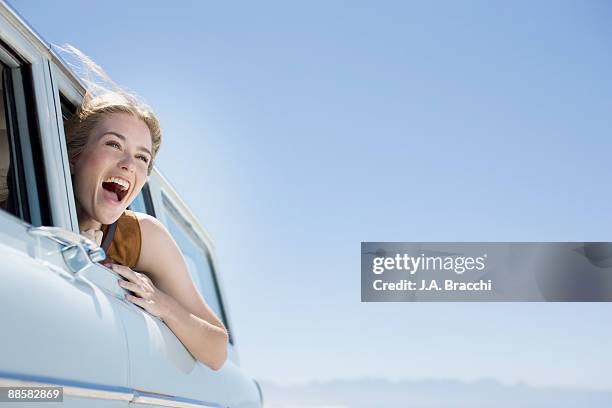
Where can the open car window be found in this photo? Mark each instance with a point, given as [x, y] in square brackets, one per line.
[23, 190]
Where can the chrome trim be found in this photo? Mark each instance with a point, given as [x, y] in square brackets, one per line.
[75, 258]
[143, 397]
[24, 23]
[78, 250]
[63, 237]
[72, 388]
[8, 59]
[101, 391]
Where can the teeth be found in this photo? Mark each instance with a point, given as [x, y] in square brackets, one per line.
[123, 183]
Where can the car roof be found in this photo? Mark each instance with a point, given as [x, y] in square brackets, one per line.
[7, 10]
[39, 41]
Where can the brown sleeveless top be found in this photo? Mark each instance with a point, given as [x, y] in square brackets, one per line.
[125, 246]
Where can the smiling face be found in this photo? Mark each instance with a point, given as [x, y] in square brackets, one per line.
[112, 168]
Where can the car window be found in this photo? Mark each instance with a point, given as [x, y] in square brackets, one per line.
[7, 202]
[142, 203]
[22, 178]
[68, 109]
[138, 204]
[196, 256]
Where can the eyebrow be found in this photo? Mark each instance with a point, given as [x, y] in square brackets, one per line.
[120, 136]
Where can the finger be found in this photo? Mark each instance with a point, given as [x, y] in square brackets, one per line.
[93, 235]
[136, 300]
[144, 279]
[98, 237]
[144, 303]
[88, 234]
[123, 271]
[139, 290]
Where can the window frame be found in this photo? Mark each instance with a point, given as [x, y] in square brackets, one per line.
[171, 210]
[19, 197]
[37, 55]
[65, 86]
[25, 144]
[158, 186]
[147, 200]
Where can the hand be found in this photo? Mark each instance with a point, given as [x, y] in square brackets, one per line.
[94, 235]
[148, 296]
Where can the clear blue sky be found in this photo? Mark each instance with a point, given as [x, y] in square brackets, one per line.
[296, 131]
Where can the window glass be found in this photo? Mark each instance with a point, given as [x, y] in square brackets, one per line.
[197, 258]
[143, 203]
[138, 204]
[6, 200]
[68, 109]
[21, 174]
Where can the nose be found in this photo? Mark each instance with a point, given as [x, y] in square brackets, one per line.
[128, 163]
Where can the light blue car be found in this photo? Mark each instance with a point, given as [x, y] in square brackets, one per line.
[64, 321]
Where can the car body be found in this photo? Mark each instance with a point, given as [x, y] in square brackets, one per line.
[64, 319]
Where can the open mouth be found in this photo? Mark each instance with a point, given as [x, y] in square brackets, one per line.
[118, 187]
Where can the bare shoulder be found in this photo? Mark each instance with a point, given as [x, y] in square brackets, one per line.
[150, 226]
[158, 248]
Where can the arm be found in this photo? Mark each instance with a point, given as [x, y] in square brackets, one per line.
[180, 305]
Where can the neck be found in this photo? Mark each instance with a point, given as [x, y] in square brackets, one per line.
[87, 223]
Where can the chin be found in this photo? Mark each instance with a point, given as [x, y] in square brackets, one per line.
[109, 217]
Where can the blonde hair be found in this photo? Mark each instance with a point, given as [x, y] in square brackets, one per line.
[101, 100]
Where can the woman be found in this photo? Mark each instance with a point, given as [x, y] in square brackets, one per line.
[112, 141]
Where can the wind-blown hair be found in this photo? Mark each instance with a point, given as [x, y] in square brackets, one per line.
[103, 99]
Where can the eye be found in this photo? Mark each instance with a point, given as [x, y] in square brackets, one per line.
[113, 144]
[143, 158]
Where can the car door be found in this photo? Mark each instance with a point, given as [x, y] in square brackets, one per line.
[58, 326]
[161, 371]
[165, 372]
[160, 363]
[161, 367]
